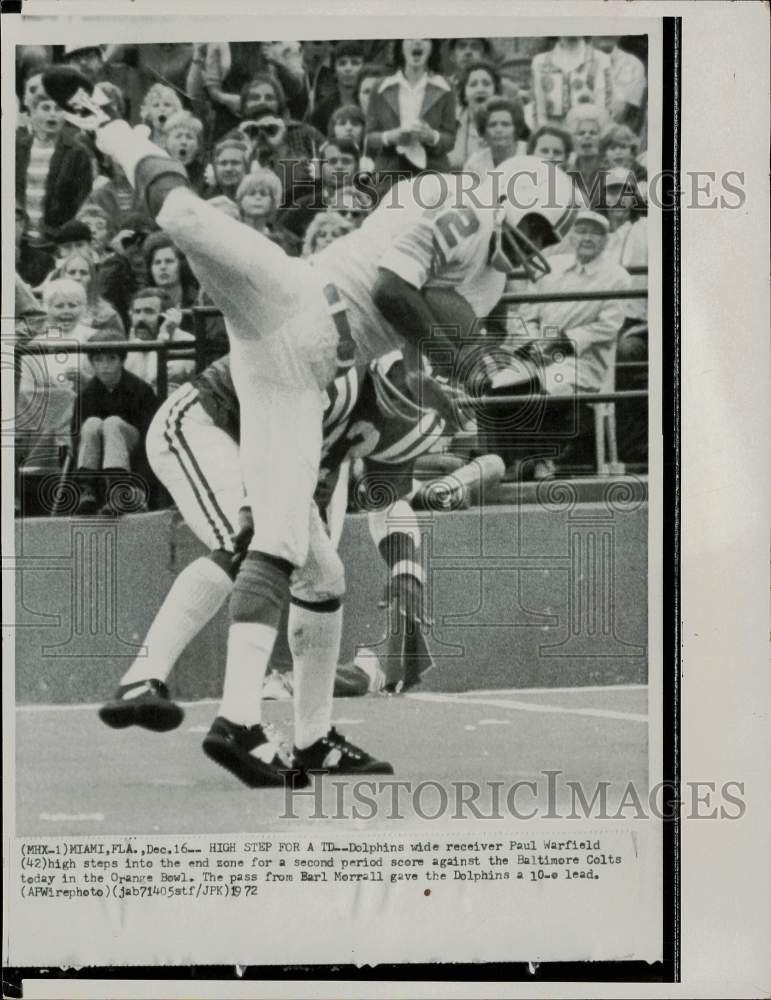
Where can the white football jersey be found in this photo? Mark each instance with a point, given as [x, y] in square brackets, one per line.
[427, 233]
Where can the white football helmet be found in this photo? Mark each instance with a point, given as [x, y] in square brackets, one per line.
[537, 204]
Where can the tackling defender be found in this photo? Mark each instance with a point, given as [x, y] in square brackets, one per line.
[464, 241]
[192, 446]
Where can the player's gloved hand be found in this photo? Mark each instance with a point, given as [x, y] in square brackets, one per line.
[242, 537]
[405, 595]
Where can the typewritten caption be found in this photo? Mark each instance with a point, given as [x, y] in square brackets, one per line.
[233, 867]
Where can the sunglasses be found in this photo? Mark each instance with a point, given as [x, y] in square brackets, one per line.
[270, 131]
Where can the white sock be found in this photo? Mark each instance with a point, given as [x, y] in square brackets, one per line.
[195, 597]
[314, 638]
[249, 647]
[126, 145]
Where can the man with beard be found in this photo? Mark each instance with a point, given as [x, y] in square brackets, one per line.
[153, 319]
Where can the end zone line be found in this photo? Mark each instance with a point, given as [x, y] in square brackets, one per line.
[527, 706]
[558, 690]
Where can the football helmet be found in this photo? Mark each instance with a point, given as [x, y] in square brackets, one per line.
[536, 206]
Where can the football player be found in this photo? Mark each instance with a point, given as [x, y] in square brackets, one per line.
[289, 324]
[192, 446]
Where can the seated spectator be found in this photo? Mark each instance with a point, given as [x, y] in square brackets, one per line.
[258, 198]
[167, 269]
[324, 228]
[370, 75]
[101, 226]
[464, 51]
[114, 410]
[154, 318]
[123, 270]
[230, 164]
[339, 165]
[230, 66]
[49, 382]
[502, 127]
[347, 122]
[586, 123]
[478, 83]
[411, 119]
[568, 75]
[628, 81]
[352, 203]
[618, 150]
[53, 170]
[183, 140]
[73, 237]
[98, 314]
[287, 147]
[160, 103]
[33, 264]
[567, 347]
[347, 61]
[551, 144]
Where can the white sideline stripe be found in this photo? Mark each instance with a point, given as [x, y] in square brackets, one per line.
[95, 706]
[527, 706]
[563, 690]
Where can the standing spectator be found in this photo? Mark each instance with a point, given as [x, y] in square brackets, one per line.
[159, 104]
[258, 198]
[370, 75]
[320, 81]
[464, 51]
[573, 345]
[324, 228]
[551, 144]
[230, 164]
[628, 79]
[287, 147]
[90, 61]
[154, 318]
[478, 83]
[98, 314]
[168, 270]
[570, 74]
[347, 61]
[183, 139]
[33, 264]
[109, 423]
[501, 125]
[53, 170]
[618, 150]
[411, 120]
[586, 123]
[113, 192]
[229, 67]
[177, 64]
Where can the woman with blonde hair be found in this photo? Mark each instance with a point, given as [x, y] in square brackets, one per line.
[325, 228]
[98, 312]
[183, 139]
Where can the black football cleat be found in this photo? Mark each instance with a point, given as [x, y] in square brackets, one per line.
[333, 754]
[85, 106]
[143, 703]
[248, 753]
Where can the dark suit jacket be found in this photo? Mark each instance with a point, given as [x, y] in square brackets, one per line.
[438, 111]
[69, 178]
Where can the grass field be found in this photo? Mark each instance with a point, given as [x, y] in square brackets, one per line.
[75, 776]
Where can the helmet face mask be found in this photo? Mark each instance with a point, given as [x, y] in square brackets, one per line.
[517, 249]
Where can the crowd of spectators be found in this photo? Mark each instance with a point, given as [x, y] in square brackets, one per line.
[283, 136]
